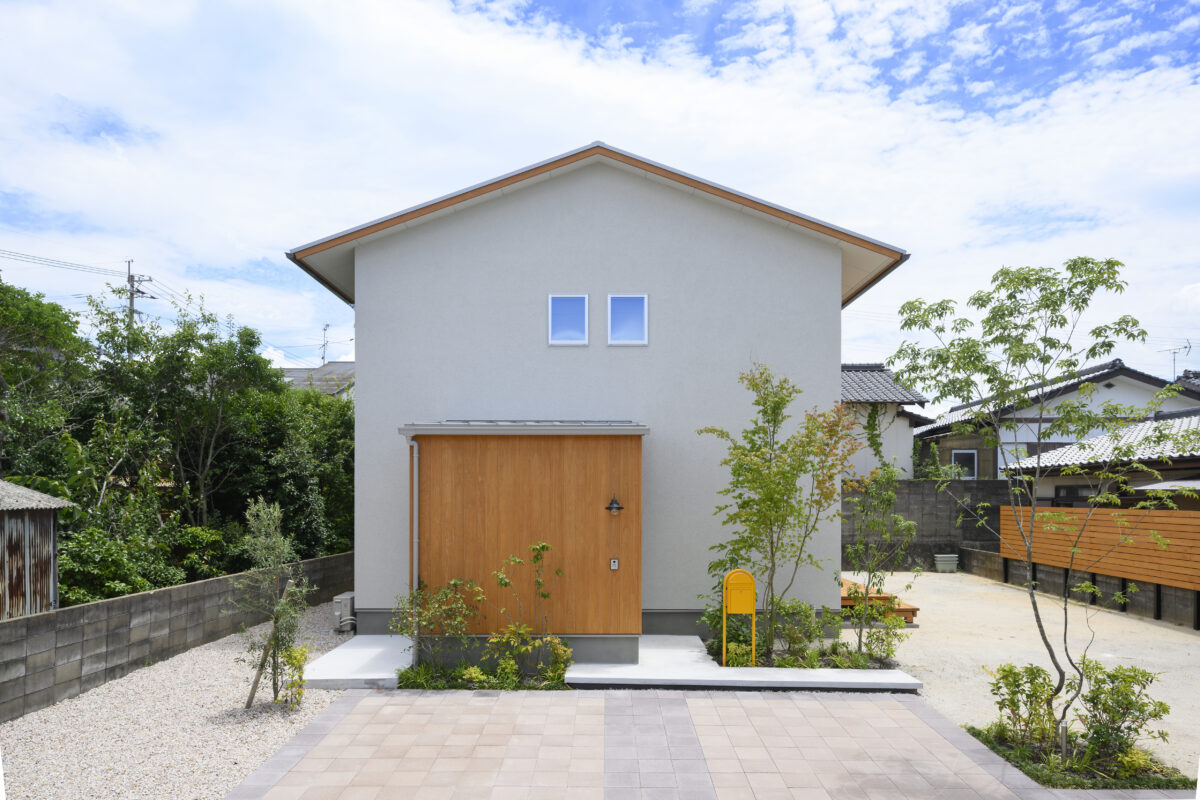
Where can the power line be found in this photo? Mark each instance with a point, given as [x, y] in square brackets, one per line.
[180, 298]
[54, 262]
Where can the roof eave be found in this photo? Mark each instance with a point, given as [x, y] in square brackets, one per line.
[298, 255]
[318, 277]
[904, 256]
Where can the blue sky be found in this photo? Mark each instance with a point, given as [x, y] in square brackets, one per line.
[204, 139]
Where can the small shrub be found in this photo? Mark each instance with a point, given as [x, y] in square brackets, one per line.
[508, 674]
[1023, 697]
[420, 676]
[294, 659]
[559, 658]
[515, 641]
[738, 655]
[880, 639]
[437, 618]
[799, 626]
[1116, 709]
[473, 677]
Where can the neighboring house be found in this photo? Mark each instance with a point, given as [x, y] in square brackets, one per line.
[1178, 465]
[28, 550]
[333, 377]
[535, 355]
[1114, 382]
[867, 385]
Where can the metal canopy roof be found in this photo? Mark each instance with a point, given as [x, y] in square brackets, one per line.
[526, 427]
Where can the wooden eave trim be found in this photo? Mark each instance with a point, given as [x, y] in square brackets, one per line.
[898, 257]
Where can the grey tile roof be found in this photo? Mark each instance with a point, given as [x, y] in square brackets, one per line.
[332, 377]
[1183, 425]
[874, 383]
[18, 498]
[1047, 390]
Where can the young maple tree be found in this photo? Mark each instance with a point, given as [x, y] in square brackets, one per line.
[781, 490]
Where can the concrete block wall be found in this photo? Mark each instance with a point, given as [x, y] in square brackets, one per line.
[936, 514]
[981, 562]
[1152, 601]
[48, 657]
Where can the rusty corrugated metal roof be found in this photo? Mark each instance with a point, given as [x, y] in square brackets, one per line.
[18, 498]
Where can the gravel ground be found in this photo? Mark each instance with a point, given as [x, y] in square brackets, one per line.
[967, 622]
[174, 729]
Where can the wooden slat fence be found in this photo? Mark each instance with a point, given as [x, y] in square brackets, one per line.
[1116, 542]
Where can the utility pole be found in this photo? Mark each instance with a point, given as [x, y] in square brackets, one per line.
[132, 289]
[324, 342]
[134, 284]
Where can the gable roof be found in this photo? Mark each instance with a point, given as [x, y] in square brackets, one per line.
[1048, 390]
[330, 260]
[875, 383]
[19, 498]
[1099, 449]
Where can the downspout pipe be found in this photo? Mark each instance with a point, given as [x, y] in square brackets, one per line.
[415, 504]
[415, 500]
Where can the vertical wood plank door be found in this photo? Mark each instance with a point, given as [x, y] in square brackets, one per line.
[483, 498]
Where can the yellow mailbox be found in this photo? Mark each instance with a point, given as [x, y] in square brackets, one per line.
[738, 597]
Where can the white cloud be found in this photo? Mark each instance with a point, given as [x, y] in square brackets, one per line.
[313, 118]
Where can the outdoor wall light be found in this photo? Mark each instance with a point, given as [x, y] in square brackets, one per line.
[614, 506]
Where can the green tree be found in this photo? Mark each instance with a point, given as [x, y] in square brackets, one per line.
[781, 490]
[276, 589]
[44, 366]
[881, 541]
[1031, 331]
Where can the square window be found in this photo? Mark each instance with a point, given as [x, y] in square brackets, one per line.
[628, 319]
[569, 319]
[966, 459]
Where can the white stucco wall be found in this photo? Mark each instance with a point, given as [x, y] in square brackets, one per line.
[1124, 391]
[896, 435]
[451, 323]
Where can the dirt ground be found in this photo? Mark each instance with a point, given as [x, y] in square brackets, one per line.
[966, 622]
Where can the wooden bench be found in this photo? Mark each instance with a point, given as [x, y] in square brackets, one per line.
[906, 611]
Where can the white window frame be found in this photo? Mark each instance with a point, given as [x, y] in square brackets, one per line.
[974, 476]
[645, 340]
[550, 320]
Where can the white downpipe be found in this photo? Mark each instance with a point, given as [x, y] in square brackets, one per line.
[415, 500]
[415, 576]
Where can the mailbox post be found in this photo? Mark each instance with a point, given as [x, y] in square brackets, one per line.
[738, 597]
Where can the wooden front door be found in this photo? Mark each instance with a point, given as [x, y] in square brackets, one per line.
[483, 498]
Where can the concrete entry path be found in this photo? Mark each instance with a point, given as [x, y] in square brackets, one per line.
[682, 661]
[623, 744]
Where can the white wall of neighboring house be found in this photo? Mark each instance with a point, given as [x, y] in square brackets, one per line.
[1124, 391]
[451, 323]
[896, 436]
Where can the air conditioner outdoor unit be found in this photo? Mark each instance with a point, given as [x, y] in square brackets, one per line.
[343, 611]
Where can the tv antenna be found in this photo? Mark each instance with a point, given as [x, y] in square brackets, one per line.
[1186, 349]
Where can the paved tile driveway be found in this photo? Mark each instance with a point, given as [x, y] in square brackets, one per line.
[618, 744]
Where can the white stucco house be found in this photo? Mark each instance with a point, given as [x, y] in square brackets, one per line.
[867, 386]
[1113, 381]
[534, 355]
[1167, 443]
